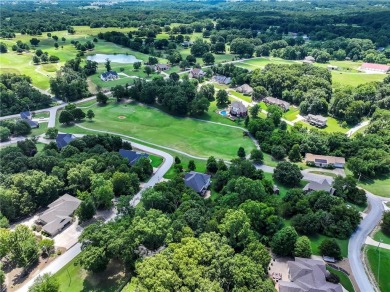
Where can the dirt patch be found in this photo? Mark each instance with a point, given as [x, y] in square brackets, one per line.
[121, 117]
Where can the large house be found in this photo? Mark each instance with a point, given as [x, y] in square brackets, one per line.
[319, 186]
[284, 105]
[308, 275]
[63, 140]
[161, 67]
[370, 67]
[325, 161]
[238, 109]
[109, 75]
[197, 181]
[196, 73]
[187, 44]
[245, 89]
[58, 214]
[132, 156]
[31, 123]
[222, 79]
[316, 120]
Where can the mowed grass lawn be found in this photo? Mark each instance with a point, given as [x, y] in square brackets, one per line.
[379, 257]
[152, 125]
[344, 279]
[379, 235]
[73, 278]
[379, 187]
[317, 239]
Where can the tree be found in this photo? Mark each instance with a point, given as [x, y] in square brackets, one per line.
[287, 174]
[177, 160]
[86, 210]
[51, 133]
[36, 59]
[137, 65]
[148, 70]
[107, 65]
[3, 48]
[22, 128]
[257, 156]
[63, 39]
[302, 247]
[174, 76]
[4, 134]
[102, 192]
[329, 247]
[284, 240]
[56, 45]
[53, 59]
[191, 165]
[101, 98]
[295, 155]
[125, 183]
[118, 92]
[208, 58]
[90, 114]
[34, 42]
[207, 91]
[78, 114]
[241, 153]
[222, 98]
[94, 259]
[211, 165]
[66, 117]
[152, 61]
[23, 246]
[254, 111]
[44, 58]
[45, 283]
[385, 225]
[55, 37]
[46, 246]
[278, 152]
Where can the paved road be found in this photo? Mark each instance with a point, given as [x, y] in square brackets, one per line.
[357, 127]
[69, 255]
[357, 240]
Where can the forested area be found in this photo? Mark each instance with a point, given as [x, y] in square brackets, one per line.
[89, 168]
[17, 95]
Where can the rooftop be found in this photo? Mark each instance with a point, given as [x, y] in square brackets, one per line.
[328, 159]
[132, 156]
[319, 186]
[317, 117]
[373, 66]
[63, 140]
[197, 181]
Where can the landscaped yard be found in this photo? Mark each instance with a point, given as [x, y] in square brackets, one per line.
[73, 278]
[344, 279]
[379, 187]
[197, 138]
[283, 189]
[317, 239]
[379, 235]
[379, 263]
[156, 160]
[291, 114]
[38, 131]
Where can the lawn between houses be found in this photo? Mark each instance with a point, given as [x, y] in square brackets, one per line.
[378, 260]
[197, 138]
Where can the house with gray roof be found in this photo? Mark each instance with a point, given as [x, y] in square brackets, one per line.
[197, 181]
[284, 105]
[31, 123]
[317, 120]
[319, 186]
[307, 275]
[63, 140]
[238, 109]
[132, 156]
[196, 73]
[26, 115]
[245, 89]
[108, 76]
[58, 215]
[222, 79]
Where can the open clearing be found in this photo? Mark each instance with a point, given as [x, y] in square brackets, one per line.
[152, 125]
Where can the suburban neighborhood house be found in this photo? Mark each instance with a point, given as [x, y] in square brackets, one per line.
[161, 67]
[108, 76]
[309, 60]
[284, 105]
[132, 156]
[245, 89]
[63, 140]
[238, 109]
[222, 79]
[197, 181]
[26, 115]
[319, 186]
[317, 120]
[58, 215]
[307, 275]
[196, 73]
[325, 161]
[377, 68]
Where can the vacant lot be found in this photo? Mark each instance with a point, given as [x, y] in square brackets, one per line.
[152, 125]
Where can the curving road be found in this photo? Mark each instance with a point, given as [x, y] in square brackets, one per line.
[71, 253]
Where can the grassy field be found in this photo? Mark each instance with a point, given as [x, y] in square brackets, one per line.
[317, 239]
[41, 115]
[38, 131]
[379, 235]
[73, 278]
[344, 279]
[156, 160]
[194, 137]
[291, 114]
[379, 187]
[379, 257]
[240, 95]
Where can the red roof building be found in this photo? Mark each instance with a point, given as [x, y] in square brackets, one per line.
[375, 67]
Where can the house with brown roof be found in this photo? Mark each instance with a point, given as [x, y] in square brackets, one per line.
[324, 160]
[58, 215]
[245, 89]
[284, 105]
[196, 73]
[161, 67]
[238, 109]
[317, 120]
[371, 67]
[319, 186]
[307, 275]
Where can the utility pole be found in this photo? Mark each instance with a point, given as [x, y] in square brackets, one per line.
[379, 260]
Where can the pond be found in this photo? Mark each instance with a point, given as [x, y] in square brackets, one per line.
[118, 58]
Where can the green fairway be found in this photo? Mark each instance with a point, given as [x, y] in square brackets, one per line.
[194, 137]
[379, 235]
[379, 262]
[344, 279]
[317, 239]
[354, 79]
[73, 278]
